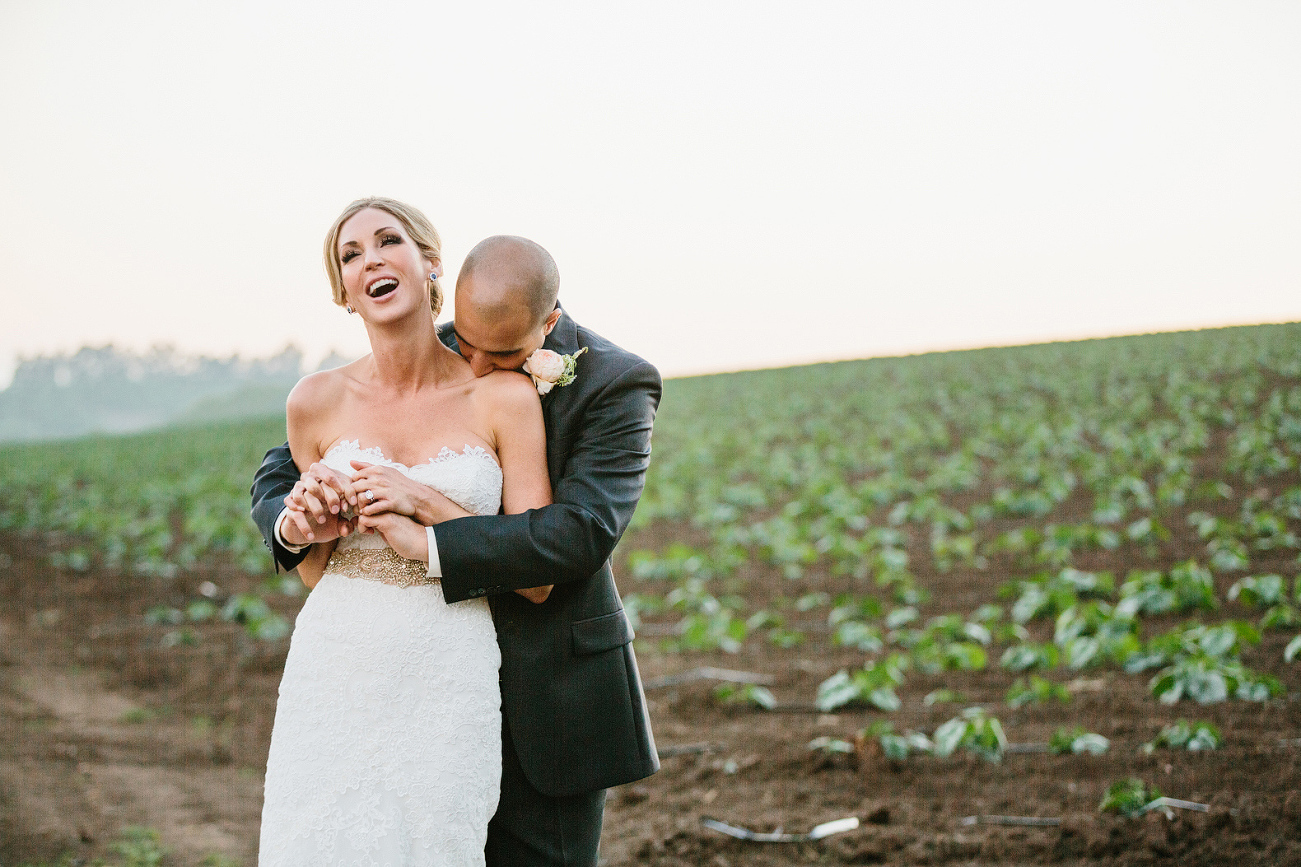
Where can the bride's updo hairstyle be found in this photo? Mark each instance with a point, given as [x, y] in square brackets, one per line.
[417, 227]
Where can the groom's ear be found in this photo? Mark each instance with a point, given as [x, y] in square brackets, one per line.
[550, 322]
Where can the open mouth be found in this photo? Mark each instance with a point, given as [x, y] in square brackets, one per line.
[380, 288]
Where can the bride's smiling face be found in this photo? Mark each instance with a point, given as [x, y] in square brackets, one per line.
[384, 273]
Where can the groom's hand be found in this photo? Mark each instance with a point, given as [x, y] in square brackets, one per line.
[402, 534]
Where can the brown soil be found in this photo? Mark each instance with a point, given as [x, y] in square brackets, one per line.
[101, 726]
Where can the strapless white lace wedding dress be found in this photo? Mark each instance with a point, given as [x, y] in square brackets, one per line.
[386, 748]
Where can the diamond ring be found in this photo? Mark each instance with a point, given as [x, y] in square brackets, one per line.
[370, 496]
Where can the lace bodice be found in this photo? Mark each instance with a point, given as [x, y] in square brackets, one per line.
[470, 478]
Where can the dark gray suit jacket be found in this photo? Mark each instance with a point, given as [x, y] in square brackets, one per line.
[571, 692]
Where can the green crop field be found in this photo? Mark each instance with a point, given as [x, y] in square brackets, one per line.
[999, 531]
[864, 474]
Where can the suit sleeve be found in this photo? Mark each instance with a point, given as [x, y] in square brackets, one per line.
[594, 500]
[272, 483]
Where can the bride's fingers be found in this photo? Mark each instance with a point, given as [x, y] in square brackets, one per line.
[379, 506]
[377, 503]
[315, 508]
[313, 497]
[303, 526]
[394, 491]
[346, 488]
[368, 475]
[365, 478]
[296, 498]
[328, 495]
[371, 491]
[360, 485]
[330, 483]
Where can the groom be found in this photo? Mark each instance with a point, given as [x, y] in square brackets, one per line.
[574, 715]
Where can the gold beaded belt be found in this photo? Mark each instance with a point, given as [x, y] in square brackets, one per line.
[379, 564]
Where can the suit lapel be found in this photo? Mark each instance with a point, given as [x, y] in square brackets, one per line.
[564, 340]
[564, 337]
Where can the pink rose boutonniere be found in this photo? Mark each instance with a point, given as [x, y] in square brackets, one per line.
[550, 369]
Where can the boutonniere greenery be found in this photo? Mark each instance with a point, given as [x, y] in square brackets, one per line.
[551, 369]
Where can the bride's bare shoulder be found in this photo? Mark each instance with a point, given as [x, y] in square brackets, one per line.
[321, 391]
[508, 389]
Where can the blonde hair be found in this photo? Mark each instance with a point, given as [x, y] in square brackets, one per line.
[417, 226]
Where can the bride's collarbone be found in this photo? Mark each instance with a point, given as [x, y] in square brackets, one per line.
[451, 404]
[452, 385]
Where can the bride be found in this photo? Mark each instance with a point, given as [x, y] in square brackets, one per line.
[386, 747]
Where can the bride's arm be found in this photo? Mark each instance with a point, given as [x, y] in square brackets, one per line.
[522, 450]
[313, 565]
[306, 415]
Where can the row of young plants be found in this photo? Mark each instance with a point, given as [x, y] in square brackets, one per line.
[1195, 661]
[1094, 624]
[977, 731]
[798, 538]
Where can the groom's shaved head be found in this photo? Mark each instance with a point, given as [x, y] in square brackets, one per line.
[508, 270]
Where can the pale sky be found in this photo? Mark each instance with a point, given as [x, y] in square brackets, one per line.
[725, 185]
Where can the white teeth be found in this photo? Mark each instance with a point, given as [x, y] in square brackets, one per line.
[379, 285]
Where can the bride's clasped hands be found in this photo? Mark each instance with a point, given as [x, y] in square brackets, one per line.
[375, 499]
[387, 506]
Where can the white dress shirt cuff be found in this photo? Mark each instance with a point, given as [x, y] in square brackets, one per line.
[292, 549]
[435, 569]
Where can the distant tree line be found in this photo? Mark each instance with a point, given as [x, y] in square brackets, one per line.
[111, 390]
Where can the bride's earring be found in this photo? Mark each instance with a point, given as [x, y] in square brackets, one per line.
[349, 309]
[433, 275]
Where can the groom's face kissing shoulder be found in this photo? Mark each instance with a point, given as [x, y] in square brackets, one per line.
[505, 303]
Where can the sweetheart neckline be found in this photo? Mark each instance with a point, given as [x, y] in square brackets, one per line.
[445, 454]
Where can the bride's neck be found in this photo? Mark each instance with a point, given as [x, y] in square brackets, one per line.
[407, 357]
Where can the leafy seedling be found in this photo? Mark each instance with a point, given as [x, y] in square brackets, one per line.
[1184, 735]
[1128, 797]
[1076, 741]
[1038, 691]
[976, 731]
[749, 693]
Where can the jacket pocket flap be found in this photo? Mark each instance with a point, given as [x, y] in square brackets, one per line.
[601, 633]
